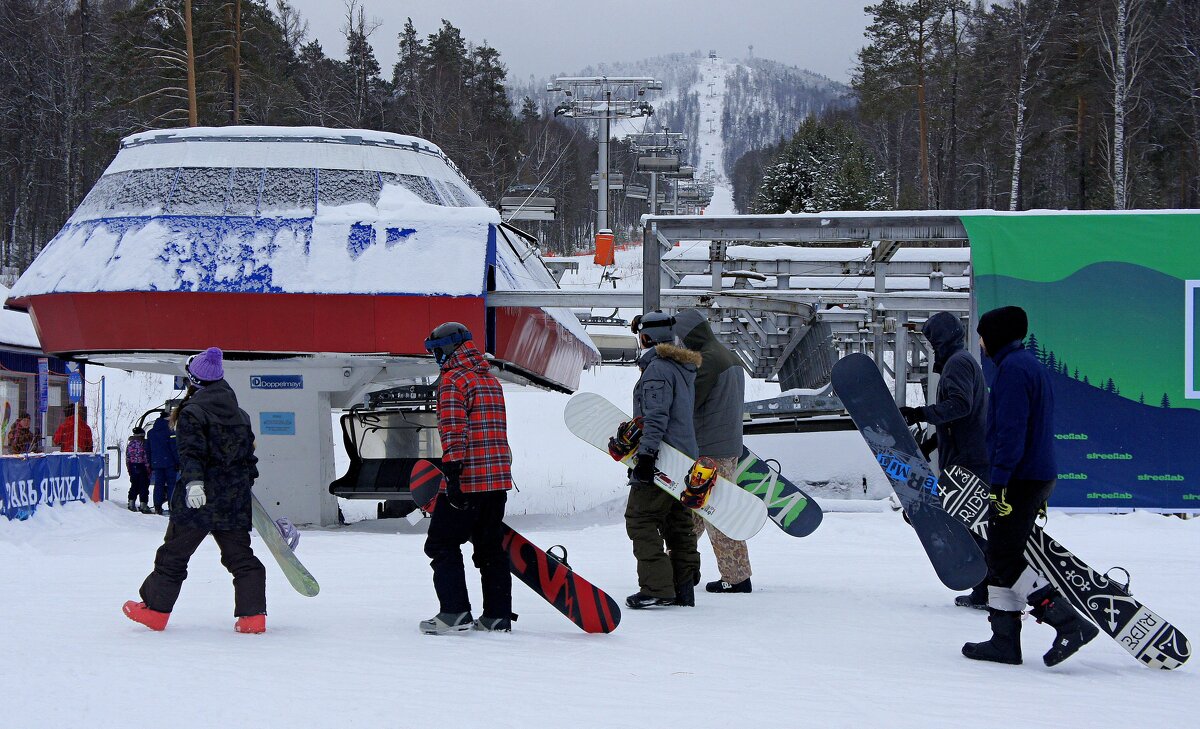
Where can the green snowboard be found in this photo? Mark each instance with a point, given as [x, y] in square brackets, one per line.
[296, 573]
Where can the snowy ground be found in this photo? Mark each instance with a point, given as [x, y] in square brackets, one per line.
[847, 627]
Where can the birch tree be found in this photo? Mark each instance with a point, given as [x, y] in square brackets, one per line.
[1125, 47]
[1028, 35]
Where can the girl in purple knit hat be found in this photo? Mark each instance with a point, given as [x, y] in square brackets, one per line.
[216, 471]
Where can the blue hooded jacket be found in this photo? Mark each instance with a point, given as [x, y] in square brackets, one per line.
[960, 414]
[1020, 418]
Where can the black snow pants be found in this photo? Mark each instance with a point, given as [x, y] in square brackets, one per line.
[481, 523]
[139, 483]
[161, 588]
[1011, 516]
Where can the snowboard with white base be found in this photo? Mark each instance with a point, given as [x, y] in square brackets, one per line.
[737, 513]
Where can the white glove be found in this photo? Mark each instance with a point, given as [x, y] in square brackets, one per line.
[195, 494]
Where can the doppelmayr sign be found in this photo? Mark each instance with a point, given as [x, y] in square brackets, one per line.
[277, 382]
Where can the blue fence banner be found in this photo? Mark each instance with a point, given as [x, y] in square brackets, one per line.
[48, 480]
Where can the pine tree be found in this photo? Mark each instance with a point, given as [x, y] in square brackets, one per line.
[1165, 402]
[1109, 387]
[1076, 375]
[1032, 345]
[1142, 398]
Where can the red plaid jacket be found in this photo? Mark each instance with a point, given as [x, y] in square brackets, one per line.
[471, 421]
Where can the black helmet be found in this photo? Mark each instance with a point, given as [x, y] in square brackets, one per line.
[445, 338]
[656, 326]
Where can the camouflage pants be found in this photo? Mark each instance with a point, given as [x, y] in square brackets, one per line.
[733, 557]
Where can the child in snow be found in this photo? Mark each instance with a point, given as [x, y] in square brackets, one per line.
[137, 461]
[475, 461]
[217, 470]
[663, 397]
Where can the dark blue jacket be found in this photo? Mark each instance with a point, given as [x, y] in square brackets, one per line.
[163, 451]
[1020, 418]
[960, 413]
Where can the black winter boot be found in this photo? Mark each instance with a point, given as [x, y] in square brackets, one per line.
[978, 598]
[1005, 644]
[685, 594]
[723, 586]
[1072, 631]
[639, 600]
[132, 505]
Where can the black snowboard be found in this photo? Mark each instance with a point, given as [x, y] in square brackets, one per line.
[548, 575]
[1151, 640]
[952, 550]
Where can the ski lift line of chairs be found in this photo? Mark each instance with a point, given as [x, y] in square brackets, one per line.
[522, 202]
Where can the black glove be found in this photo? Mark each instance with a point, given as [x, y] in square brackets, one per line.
[643, 470]
[912, 416]
[454, 495]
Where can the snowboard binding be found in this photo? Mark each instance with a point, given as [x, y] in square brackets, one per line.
[698, 485]
[629, 433]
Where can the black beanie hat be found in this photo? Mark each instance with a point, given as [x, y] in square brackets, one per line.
[1000, 327]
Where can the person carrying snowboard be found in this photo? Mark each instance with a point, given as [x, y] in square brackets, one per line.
[720, 401]
[664, 399]
[217, 470]
[1020, 437]
[959, 414]
[476, 462]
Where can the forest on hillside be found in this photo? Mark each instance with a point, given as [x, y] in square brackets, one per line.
[78, 75]
[1062, 104]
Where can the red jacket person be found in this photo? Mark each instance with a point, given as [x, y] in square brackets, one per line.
[476, 461]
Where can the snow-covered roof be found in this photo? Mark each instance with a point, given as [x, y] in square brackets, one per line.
[303, 134]
[16, 327]
[399, 245]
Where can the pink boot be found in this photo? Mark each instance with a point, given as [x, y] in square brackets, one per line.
[251, 624]
[139, 613]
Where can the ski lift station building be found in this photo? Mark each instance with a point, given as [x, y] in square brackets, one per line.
[318, 259]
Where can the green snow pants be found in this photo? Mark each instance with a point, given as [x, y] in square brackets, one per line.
[655, 519]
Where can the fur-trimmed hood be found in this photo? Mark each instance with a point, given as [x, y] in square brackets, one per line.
[682, 355]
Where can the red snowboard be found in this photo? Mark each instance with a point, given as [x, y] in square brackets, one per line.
[548, 575]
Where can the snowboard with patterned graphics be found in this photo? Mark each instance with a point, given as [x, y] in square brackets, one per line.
[737, 513]
[792, 510]
[550, 576]
[297, 575]
[1151, 640]
[948, 543]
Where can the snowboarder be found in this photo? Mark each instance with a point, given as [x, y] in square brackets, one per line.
[217, 470]
[476, 462]
[164, 460]
[1020, 436]
[959, 415]
[663, 397]
[137, 461]
[720, 402]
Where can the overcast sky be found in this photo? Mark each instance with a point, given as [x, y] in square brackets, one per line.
[549, 37]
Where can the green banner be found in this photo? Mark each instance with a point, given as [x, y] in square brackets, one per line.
[1114, 313]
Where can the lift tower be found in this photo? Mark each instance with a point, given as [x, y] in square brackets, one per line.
[604, 98]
